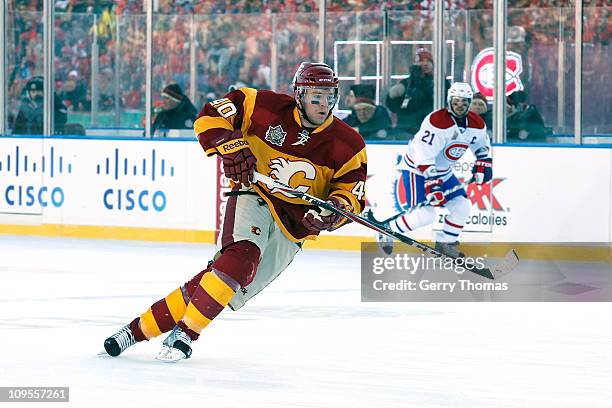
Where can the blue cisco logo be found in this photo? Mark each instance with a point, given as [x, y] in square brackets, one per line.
[19, 195]
[130, 199]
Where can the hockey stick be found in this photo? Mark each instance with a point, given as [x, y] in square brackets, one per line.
[423, 203]
[385, 245]
[376, 226]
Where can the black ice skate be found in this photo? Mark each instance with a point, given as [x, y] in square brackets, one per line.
[450, 249]
[118, 342]
[176, 347]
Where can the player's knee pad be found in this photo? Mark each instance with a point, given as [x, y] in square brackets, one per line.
[239, 261]
[421, 217]
[458, 209]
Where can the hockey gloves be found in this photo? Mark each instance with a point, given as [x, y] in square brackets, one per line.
[433, 192]
[325, 219]
[482, 171]
[238, 160]
[239, 166]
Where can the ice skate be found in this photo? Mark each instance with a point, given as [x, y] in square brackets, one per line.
[176, 347]
[119, 342]
[385, 242]
[450, 249]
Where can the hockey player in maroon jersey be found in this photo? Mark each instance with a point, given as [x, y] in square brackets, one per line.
[426, 171]
[294, 139]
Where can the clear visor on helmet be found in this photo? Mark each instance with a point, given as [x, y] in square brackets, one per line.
[319, 96]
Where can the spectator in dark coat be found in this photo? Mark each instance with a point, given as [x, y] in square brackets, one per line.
[75, 93]
[524, 123]
[372, 121]
[177, 111]
[480, 106]
[358, 91]
[412, 98]
[30, 118]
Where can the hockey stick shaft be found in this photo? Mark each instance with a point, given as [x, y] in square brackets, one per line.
[271, 183]
[423, 203]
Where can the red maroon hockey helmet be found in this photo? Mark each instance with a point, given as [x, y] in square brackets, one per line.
[311, 75]
[315, 75]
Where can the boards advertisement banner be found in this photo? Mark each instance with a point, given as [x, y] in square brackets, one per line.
[538, 194]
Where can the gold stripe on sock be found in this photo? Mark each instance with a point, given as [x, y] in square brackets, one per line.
[216, 288]
[176, 304]
[148, 325]
[195, 320]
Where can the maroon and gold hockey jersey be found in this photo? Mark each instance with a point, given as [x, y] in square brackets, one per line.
[327, 161]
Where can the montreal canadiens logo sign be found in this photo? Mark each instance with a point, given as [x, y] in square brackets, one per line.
[483, 72]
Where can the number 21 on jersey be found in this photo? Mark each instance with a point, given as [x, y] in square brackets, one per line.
[428, 137]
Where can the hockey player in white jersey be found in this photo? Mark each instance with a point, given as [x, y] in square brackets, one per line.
[426, 169]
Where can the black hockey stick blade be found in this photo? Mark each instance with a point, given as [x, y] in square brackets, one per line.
[270, 182]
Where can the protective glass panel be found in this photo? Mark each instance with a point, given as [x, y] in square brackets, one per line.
[356, 52]
[539, 91]
[100, 71]
[597, 76]
[171, 67]
[410, 93]
[130, 70]
[78, 58]
[296, 41]
[231, 50]
[24, 49]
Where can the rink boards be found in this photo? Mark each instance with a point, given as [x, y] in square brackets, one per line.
[166, 190]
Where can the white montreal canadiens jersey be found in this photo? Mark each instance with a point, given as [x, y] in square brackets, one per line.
[441, 142]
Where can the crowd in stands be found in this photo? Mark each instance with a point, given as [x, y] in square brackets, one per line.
[233, 44]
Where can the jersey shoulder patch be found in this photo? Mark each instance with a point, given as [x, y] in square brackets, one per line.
[441, 119]
[474, 121]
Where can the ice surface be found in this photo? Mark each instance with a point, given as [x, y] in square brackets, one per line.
[306, 341]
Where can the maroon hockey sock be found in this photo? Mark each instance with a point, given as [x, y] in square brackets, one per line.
[135, 328]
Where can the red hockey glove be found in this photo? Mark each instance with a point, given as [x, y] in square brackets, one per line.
[433, 192]
[325, 219]
[238, 160]
[482, 171]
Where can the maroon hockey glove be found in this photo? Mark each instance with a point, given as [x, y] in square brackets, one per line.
[238, 160]
[239, 166]
[433, 192]
[482, 171]
[325, 219]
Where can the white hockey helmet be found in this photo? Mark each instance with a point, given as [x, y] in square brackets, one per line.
[460, 90]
